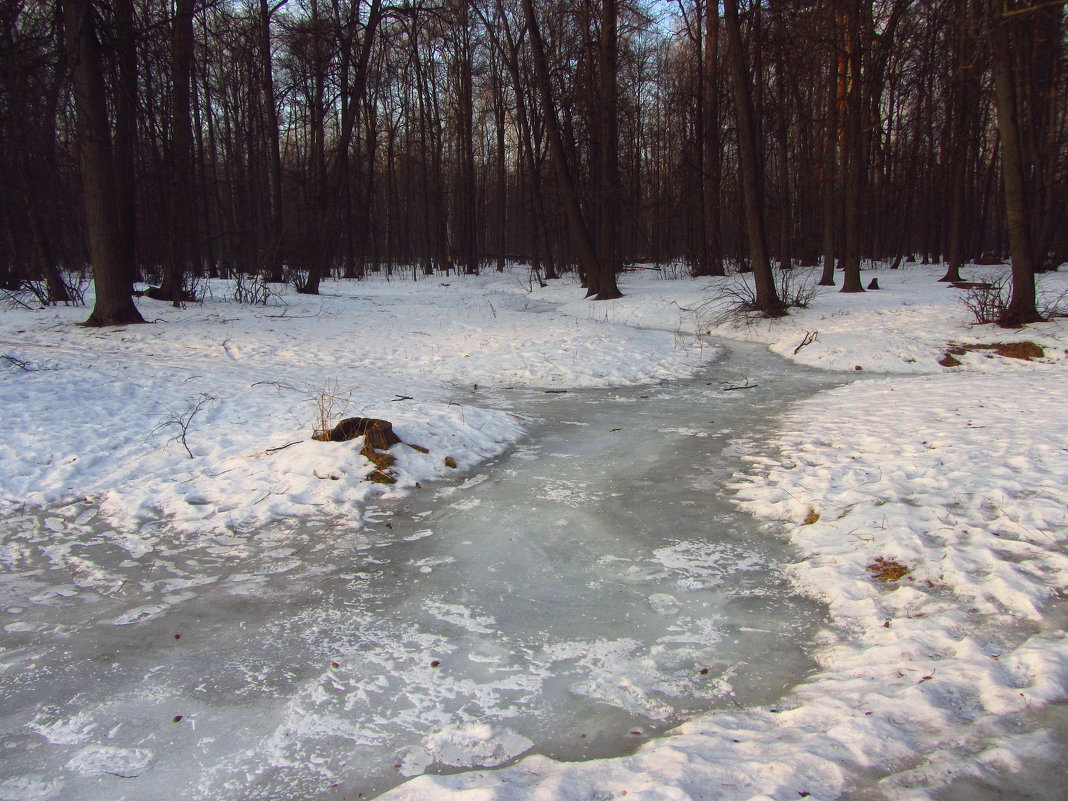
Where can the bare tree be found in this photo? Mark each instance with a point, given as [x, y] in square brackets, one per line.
[1022, 308]
[766, 299]
[111, 268]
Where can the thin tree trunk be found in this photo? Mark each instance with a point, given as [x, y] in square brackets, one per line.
[767, 300]
[856, 162]
[830, 158]
[273, 256]
[126, 133]
[179, 212]
[580, 234]
[962, 101]
[712, 173]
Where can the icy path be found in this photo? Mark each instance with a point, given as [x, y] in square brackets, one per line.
[587, 591]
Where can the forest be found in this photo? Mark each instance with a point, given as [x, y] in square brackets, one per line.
[299, 139]
[672, 506]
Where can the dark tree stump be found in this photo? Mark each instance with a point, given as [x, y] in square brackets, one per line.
[379, 433]
[378, 439]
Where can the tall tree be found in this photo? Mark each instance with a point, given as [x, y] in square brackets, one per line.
[855, 140]
[963, 97]
[126, 132]
[111, 268]
[276, 224]
[580, 233]
[180, 219]
[767, 300]
[1022, 305]
[603, 285]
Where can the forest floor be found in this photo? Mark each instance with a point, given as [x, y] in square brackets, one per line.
[927, 505]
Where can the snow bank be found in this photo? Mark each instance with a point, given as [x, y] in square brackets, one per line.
[903, 328]
[100, 414]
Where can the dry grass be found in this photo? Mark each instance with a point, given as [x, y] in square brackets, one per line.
[887, 570]
[329, 405]
[1027, 351]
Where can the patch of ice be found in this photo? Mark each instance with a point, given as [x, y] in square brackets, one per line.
[461, 616]
[31, 787]
[137, 614]
[663, 603]
[70, 731]
[466, 745]
[110, 760]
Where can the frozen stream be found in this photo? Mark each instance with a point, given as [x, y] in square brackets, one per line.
[590, 589]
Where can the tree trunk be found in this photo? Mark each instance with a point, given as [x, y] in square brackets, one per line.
[767, 300]
[111, 271]
[580, 234]
[126, 134]
[712, 152]
[179, 212]
[608, 260]
[962, 102]
[273, 255]
[1021, 308]
[501, 200]
[855, 151]
[829, 164]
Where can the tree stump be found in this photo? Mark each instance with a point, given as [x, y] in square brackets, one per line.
[378, 439]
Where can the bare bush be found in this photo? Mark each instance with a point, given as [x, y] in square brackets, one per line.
[35, 294]
[989, 302]
[735, 302]
[329, 402]
[180, 421]
[254, 290]
[1052, 303]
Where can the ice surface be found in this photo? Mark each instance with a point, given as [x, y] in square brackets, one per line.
[583, 593]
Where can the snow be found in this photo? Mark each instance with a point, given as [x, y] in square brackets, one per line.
[957, 474]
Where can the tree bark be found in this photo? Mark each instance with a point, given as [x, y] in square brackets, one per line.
[1021, 309]
[111, 270]
[126, 134]
[608, 260]
[767, 300]
[580, 234]
[961, 105]
[829, 164]
[712, 151]
[180, 228]
[855, 151]
[273, 255]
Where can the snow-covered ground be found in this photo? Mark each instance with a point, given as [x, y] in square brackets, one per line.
[954, 477]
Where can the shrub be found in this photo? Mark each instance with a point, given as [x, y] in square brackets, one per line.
[735, 302]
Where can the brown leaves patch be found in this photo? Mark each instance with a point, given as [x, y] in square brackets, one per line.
[812, 517]
[1027, 351]
[887, 570]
